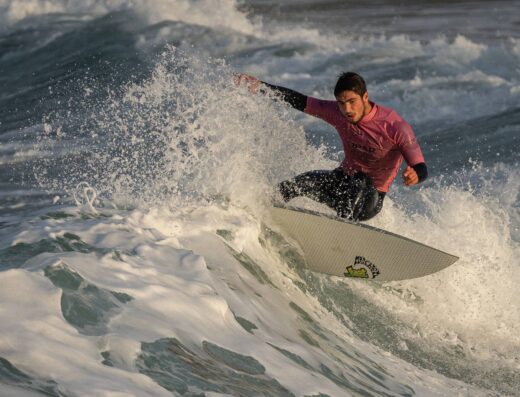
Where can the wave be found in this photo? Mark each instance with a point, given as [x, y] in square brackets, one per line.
[170, 278]
[223, 13]
[218, 287]
[158, 142]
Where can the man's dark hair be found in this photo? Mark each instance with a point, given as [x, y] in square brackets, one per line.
[350, 81]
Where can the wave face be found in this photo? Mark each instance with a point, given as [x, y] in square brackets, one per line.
[135, 255]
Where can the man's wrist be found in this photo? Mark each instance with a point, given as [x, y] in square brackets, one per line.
[421, 171]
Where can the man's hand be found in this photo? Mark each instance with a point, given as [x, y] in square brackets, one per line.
[252, 83]
[410, 177]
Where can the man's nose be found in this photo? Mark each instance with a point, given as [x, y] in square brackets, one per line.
[348, 108]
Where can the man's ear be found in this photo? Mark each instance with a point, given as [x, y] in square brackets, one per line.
[365, 97]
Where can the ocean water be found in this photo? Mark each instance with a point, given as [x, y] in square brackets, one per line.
[136, 258]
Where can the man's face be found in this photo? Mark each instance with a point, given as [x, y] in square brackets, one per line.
[352, 105]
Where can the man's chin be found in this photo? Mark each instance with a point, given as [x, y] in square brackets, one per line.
[352, 119]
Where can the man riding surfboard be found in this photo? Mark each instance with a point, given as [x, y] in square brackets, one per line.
[375, 141]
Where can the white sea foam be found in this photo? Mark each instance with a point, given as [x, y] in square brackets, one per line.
[460, 51]
[211, 13]
[471, 306]
[186, 132]
[186, 284]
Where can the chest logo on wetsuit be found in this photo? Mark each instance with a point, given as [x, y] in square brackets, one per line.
[361, 269]
[368, 149]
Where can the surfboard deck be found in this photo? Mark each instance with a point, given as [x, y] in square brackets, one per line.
[338, 247]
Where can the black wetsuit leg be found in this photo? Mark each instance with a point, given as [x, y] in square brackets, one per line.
[353, 197]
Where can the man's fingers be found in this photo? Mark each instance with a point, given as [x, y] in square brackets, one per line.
[252, 83]
[237, 78]
[411, 181]
[410, 176]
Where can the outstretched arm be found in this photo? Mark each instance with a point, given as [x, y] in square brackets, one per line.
[293, 98]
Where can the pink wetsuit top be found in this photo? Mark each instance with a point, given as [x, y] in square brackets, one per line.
[375, 145]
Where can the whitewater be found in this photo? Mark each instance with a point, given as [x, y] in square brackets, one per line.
[137, 257]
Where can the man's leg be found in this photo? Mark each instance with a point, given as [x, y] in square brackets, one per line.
[358, 199]
[353, 197]
[316, 185]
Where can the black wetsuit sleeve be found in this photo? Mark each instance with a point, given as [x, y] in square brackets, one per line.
[422, 171]
[293, 98]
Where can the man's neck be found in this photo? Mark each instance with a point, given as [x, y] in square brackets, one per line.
[368, 108]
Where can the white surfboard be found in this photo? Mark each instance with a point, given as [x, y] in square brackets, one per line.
[338, 247]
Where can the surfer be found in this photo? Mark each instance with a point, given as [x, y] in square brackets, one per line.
[375, 142]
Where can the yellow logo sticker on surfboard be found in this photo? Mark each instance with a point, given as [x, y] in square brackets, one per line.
[362, 269]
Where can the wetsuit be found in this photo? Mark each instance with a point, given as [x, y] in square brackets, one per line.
[374, 150]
